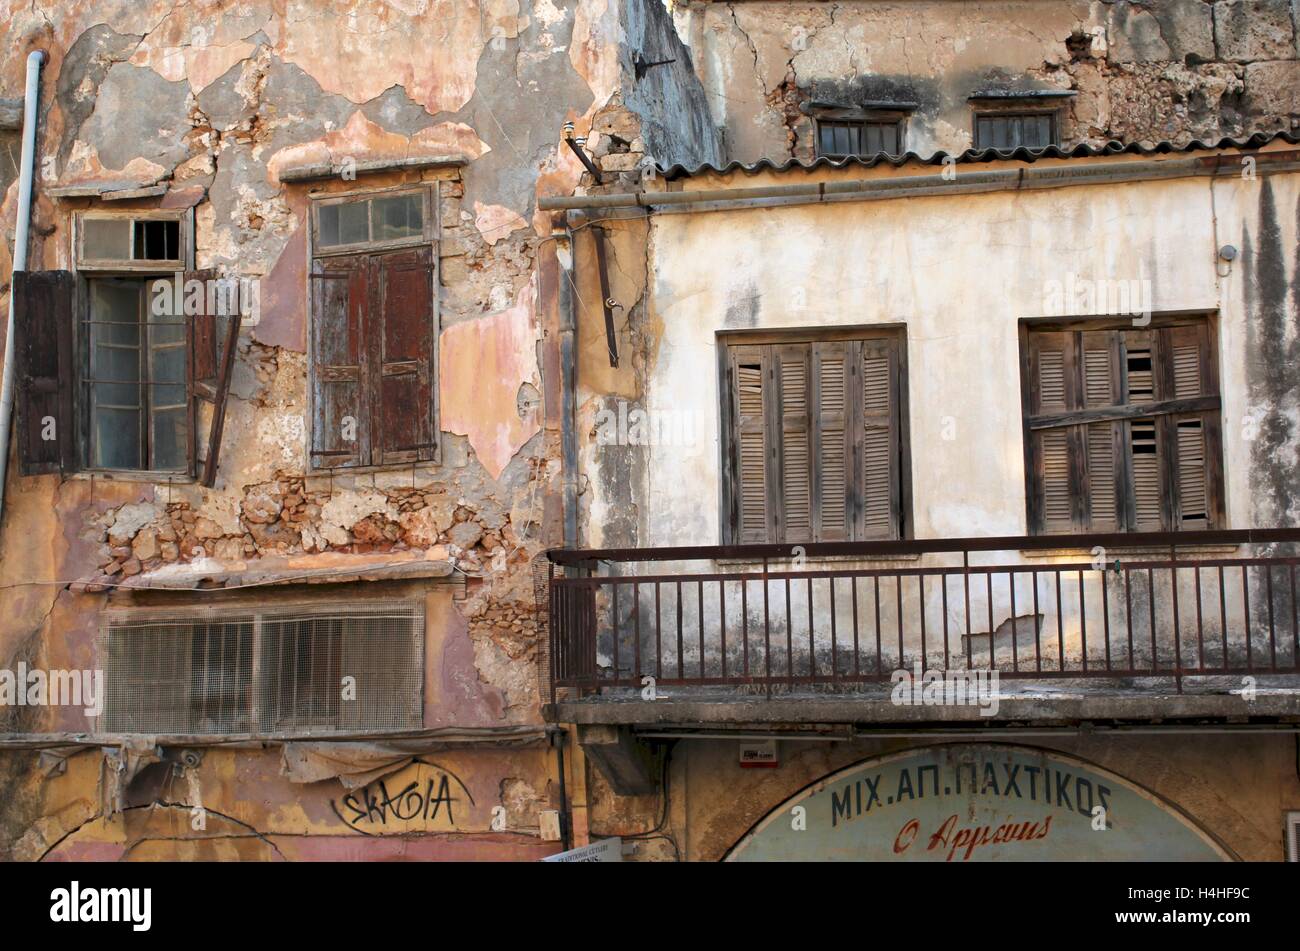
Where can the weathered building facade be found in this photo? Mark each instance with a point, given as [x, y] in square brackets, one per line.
[497, 289]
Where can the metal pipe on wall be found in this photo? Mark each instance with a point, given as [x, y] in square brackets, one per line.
[26, 176]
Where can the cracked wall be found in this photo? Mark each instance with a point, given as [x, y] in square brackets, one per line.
[212, 104]
[1139, 71]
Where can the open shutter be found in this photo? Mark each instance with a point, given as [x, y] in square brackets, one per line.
[1101, 389]
[794, 506]
[44, 380]
[403, 346]
[341, 426]
[749, 488]
[1188, 369]
[881, 507]
[1051, 367]
[213, 333]
[833, 378]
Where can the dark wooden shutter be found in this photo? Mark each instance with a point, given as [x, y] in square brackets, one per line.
[1051, 367]
[1189, 374]
[835, 382]
[795, 476]
[340, 401]
[1101, 389]
[749, 483]
[402, 344]
[1143, 435]
[212, 336]
[881, 484]
[44, 378]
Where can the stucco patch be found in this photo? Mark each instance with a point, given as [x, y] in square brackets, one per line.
[483, 405]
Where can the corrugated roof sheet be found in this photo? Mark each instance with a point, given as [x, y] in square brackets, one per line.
[972, 156]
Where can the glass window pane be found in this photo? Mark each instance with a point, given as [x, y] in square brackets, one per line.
[327, 225]
[343, 223]
[168, 432]
[105, 239]
[399, 217]
[115, 435]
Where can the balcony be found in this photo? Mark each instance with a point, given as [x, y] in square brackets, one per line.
[1068, 629]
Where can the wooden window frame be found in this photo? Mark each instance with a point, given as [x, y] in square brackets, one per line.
[432, 192]
[429, 191]
[1209, 407]
[864, 117]
[726, 341]
[1011, 110]
[184, 217]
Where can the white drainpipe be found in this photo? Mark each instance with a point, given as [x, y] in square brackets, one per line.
[26, 175]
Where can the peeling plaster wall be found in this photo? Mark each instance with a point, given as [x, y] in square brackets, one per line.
[1167, 69]
[214, 102]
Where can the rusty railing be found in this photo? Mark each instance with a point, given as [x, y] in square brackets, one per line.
[1168, 605]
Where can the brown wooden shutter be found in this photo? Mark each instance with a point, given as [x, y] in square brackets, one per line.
[402, 347]
[834, 394]
[749, 486]
[212, 335]
[1189, 376]
[1101, 388]
[1143, 437]
[795, 476]
[340, 401]
[44, 379]
[880, 496]
[1051, 367]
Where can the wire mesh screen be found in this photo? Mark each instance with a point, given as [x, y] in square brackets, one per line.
[323, 669]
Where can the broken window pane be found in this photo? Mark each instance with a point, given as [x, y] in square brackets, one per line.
[156, 241]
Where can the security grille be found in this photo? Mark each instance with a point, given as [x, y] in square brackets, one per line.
[295, 670]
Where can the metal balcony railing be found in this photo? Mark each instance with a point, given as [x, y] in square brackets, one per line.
[1168, 605]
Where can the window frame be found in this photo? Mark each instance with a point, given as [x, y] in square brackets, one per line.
[261, 677]
[1011, 108]
[895, 116]
[430, 194]
[431, 237]
[185, 261]
[1216, 476]
[729, 484]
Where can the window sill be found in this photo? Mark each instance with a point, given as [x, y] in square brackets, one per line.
[131, 475]
[1128, 551]
[829, 562]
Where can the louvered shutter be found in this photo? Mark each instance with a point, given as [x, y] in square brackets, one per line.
[341, 426]
[1050, 366]
[403, 340]
[1101, 388]
[1143, 437]
[880, 458]
[43, 379]
[1188, 364]
[835, 386]
[795, 469]
[749, 485]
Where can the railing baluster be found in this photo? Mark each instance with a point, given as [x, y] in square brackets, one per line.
[944, 578]
[681, 652]
[1245, 617]
[857, 657]
[699, 600]
[1060, 623]
[830, 583]
[1015, 626]
[789, 639]
[636, 659]
[920, 583]
[1151, 614]
[1272, 641]
[880, 669]
[1178, 638]
[1083, 623]
[1105, 617]
[1200, 626]
[1223, 618]
[1038, 628]
[812, 646]
[1128, 614]
[722, 609]
[744, 627]
[767, 635]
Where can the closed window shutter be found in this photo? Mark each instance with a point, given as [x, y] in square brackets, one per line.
[880, 458]
[1144, 444]
[1101, 388]
[750, 481]
[1051, 366]
[44, 377]
[835, 384]
[795, 501]
[1187, 349]
[341, 430]
[405, 342]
